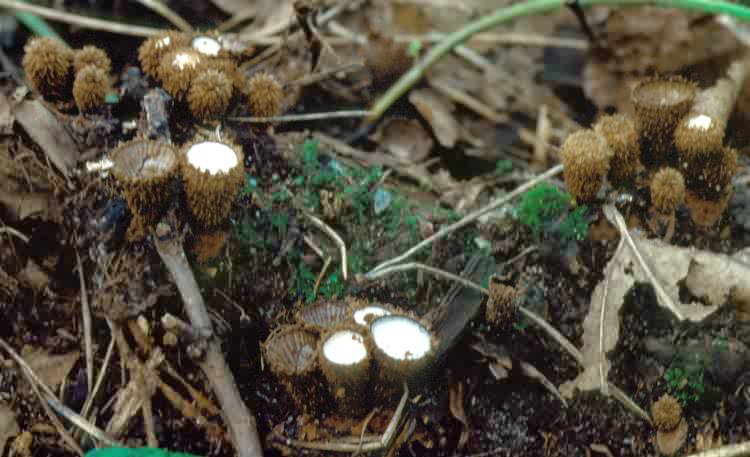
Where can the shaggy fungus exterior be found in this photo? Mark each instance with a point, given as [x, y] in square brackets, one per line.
[48, 64]
[143, 168]
[212, 173]
[667, 190]
[91, 55]
[659, 104]
[324, 314]
[265, 96]
[622, 137]
[292, 355]
[364, 312]
[585, 157]
[671, 428]
[209, 95]
[344, 355]
[403, 348]
[501, 305]
[90, 88]
[178, 69]
[152, 50]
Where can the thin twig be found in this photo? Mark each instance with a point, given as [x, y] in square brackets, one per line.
[300, 117]
[311, 244]
[81, 21]
[99, 379]
[241, 16]
[466, 220]
[86, 313]
[321, 275]
[167, 13]
[336, 239]
[731, 450]
[523, 39]
[14, 232]
[421, 266]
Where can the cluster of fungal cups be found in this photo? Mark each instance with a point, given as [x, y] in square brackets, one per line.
[58, 72]
[677, 138]
[199, 72]
[210, 172]
[343, 355]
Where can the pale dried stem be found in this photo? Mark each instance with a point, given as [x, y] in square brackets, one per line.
[300, 117]
[86, 314]
[336, 239]
[167, 13]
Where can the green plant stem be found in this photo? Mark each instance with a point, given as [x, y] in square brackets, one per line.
[529, 8]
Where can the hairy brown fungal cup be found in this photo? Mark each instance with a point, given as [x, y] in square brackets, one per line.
[292, 354]
[364, 312]
[91, 55]
[178, 69]
[265, 95]
[667, 190]
[153, 50]
[403, 348]
[324, 314]
[90, 88]
[622, 137]
[212, 174]
[501, 305]
[344, 354]
[671, 428]
[585, 156]
[143, 168]
[209, 95]
[711, 178]
[206, 45]
[48, 64]
[659, 104]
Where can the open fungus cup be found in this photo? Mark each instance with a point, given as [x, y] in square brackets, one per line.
[143, 169]
[363, 312]
[323, 314]
[403, 349]
[344, 355]
[292, 355]
[212, 173]
[660, 104]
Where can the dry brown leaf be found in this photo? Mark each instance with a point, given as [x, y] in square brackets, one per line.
[670, 265]
[438, 112]
[47, 131]
[8, 424]
[51, 369]
[404, 139]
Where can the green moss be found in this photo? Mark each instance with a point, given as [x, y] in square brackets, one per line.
[550, 213]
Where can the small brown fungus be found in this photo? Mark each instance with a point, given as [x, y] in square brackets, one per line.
[153, 49]
[666, 412]
[91, 55]
[501, 305]
[265, 95]
[622, 137]
[90, 88]
[209, 95]
[585, 156]
[667, 190]
[178, 69]
[48, 64]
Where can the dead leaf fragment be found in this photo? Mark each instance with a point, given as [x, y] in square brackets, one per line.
[404, 139]
[8, 424]
[51, 369]
[48, 132]
[438, 113]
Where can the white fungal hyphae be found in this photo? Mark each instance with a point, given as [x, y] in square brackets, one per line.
[362, 316]
[184, 59]
[212, 156]
[700, 122]
[345, 348]
[401, 338]
[206, 46]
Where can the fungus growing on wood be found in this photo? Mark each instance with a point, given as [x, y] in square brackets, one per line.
[212, 173]
[585, 156]
[48, 64]
[622, 137]
[143, 168]
[659, 104]
[265, 95]
[344, 357]
[90, 88]
[91, 55]
[209, 95]
[152, 50]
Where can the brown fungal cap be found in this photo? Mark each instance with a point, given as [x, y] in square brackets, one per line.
[209, 95]
[698, 136]
[212, 173]
[153, 49]
[178, 69]
[90, 88]
[143, 168]
[585, 156]
[48, 64]
[666, 412]
[667, 190]
[622, 137]
[91, 55]
[265, 95]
